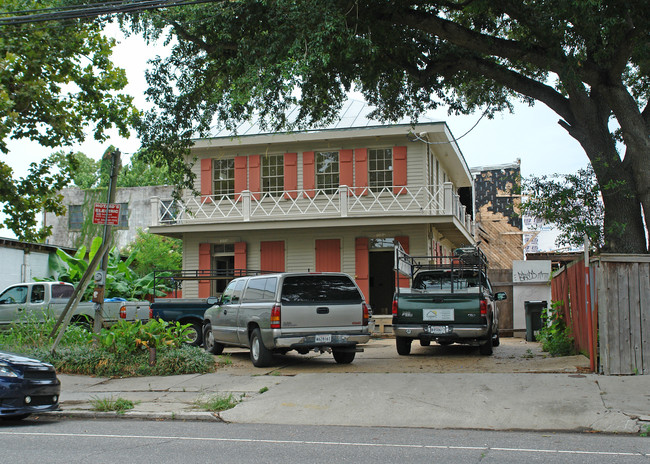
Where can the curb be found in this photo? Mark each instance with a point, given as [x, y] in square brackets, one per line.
[201, 416]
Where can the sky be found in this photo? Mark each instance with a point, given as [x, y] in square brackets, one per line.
[530, 133]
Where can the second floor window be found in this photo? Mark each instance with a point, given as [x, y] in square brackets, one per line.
[273, 174]
[223, 177]
[327, 171]
[124, 215]
[380, 169]
[75, 217]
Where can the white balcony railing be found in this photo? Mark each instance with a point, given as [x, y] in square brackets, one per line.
[303, 204]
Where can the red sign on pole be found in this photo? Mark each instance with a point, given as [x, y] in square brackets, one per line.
[99, 214]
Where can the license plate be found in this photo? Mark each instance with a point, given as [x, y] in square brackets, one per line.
[437, 329]
[323, 338]
[438, 314]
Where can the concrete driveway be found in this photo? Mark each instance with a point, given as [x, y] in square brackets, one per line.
[514, 355]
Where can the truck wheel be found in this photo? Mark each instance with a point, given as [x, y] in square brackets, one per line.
[485, 348]
[260, 355]
[403, 345]
[210, 345]
[194, 337]
[343, 357]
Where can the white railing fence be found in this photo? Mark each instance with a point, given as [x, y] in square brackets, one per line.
[293, 204]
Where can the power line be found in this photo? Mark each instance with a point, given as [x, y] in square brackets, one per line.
[90, 11]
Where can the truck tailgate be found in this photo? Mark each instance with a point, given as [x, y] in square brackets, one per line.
[460, 308]
[300, 316]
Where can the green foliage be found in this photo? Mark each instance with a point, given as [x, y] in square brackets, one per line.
[129, 337]
[554, 335]
[22, 199]
[289, 65]
[119, 405]
[57, 83]
[216, 403]
[32, 331]
[570, 201]
[121, 280]
[120, 351]
[155, 252]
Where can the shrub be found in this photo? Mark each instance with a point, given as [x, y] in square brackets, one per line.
[554, 335]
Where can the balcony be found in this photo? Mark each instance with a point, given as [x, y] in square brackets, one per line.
[344, 202]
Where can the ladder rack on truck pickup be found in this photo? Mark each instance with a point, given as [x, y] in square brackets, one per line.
[463, 260]
[177, 277]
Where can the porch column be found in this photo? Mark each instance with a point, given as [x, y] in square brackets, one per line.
[343, 200]
[246, 205]
[155, 211]
[448, 196]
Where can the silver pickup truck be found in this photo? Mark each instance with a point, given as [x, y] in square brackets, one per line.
[276, 313]
[33, 301]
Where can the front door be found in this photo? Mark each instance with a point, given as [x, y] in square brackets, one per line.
[381, 281]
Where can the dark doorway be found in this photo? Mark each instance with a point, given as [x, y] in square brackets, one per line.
[382, 281]
[224, 265]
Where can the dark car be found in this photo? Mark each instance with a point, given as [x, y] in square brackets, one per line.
[27, 386]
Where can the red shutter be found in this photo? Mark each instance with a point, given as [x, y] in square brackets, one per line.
[362, 266]
[328, 255]
[205, 265]
[206, 177]
[241, 182]
[399, 170]
[403, 280]
[308, 174]
[291, 175]
[361, 168]
[272, 256]
[240, 255]
[346, 171]
[254, 175]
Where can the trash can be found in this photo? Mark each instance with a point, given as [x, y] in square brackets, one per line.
[533, 318]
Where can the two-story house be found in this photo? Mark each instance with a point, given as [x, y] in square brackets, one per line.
[323, 200]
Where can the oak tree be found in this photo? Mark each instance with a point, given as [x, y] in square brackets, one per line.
[587, 60]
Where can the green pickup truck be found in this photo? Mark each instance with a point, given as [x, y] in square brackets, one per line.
[450, 301]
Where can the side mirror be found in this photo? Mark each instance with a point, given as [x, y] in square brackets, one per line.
[500, 296]
[213, 300]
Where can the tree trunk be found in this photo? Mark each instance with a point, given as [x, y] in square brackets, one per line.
[623, 222]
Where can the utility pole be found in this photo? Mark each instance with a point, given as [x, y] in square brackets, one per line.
[100, 276]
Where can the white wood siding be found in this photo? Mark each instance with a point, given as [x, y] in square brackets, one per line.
[300, 247]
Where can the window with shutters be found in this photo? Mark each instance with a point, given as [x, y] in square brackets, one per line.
[327, 171]
[380, 168]
[223, 177]
[273, 174]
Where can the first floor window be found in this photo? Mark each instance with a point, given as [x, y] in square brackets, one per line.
[273, 174]
[380, 168]
[223, 177]
[327, 171]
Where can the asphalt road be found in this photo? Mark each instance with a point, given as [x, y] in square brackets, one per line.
[131, 441]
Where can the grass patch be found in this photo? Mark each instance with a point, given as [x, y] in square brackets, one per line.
[263, 390]
[216, 403]
[119, 405]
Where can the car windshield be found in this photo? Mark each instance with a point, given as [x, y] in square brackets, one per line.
[319, 289]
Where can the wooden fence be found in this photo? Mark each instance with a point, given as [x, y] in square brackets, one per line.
[569, 296]
[623, 292]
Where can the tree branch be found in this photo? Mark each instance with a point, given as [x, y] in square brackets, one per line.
[541, 57]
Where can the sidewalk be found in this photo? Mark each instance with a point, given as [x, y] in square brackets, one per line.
[319, 392]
